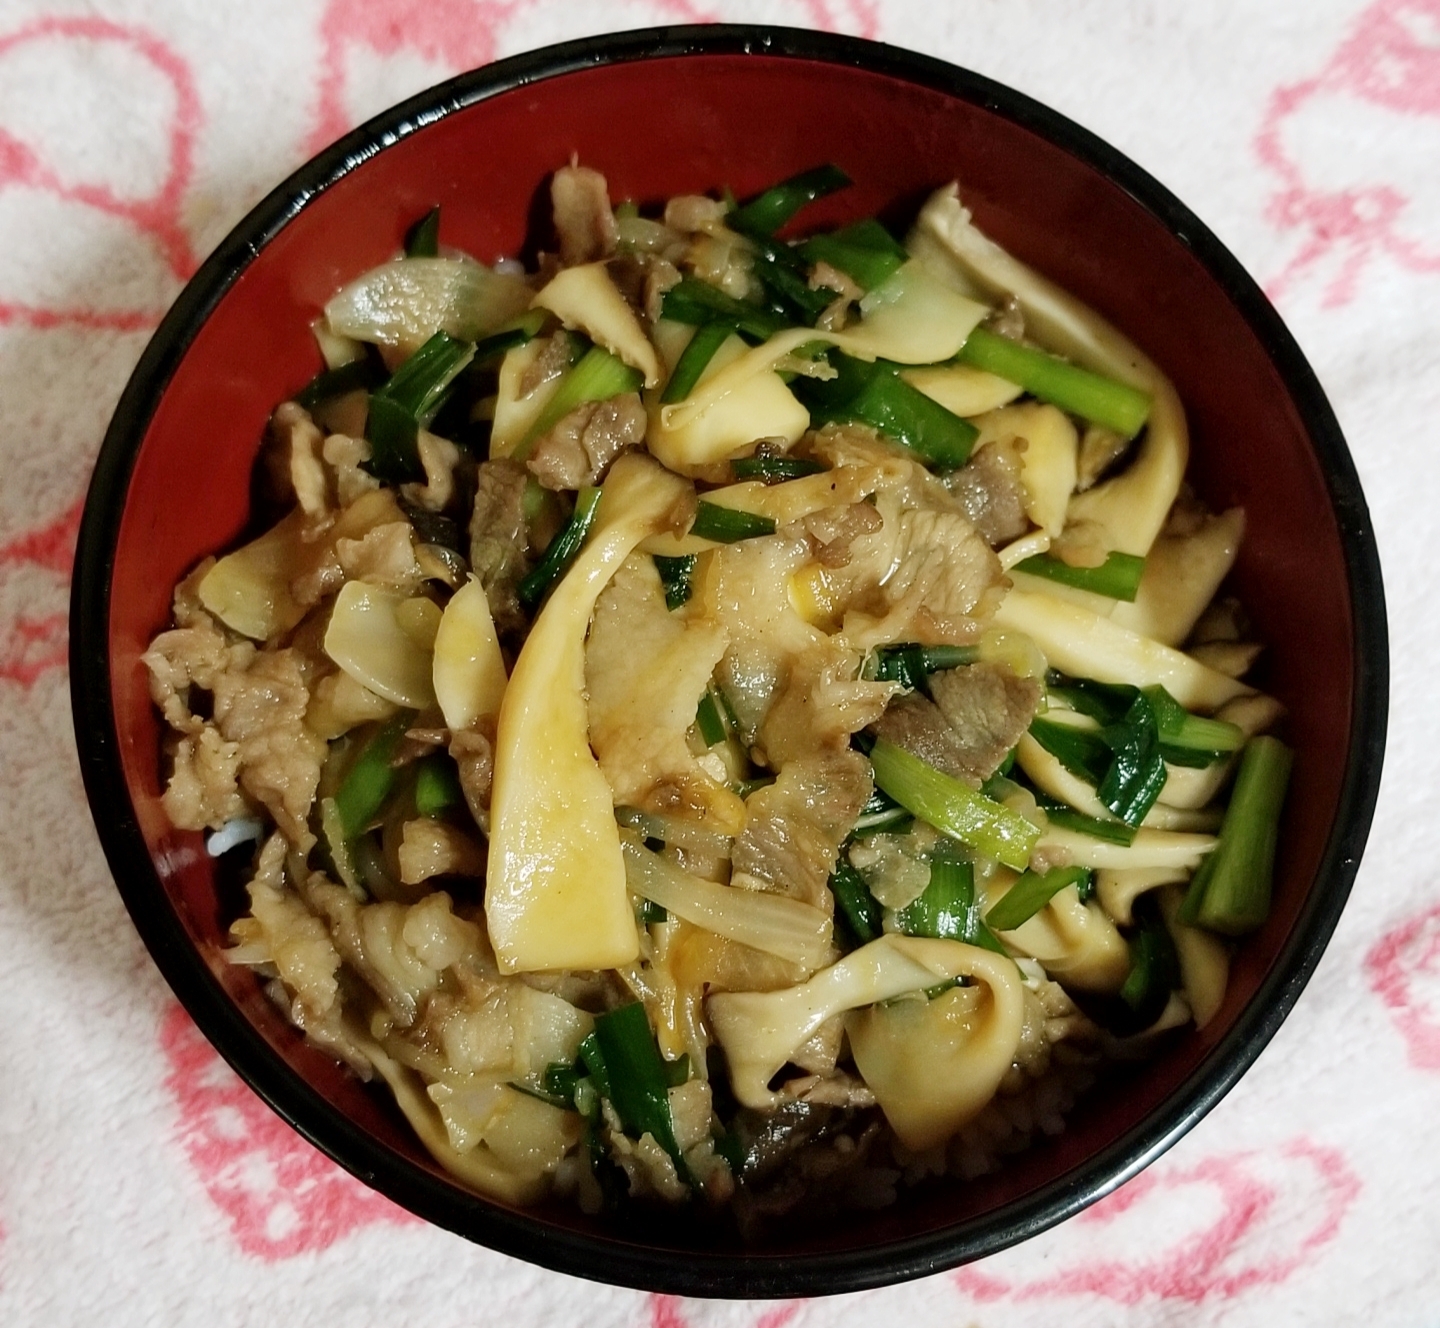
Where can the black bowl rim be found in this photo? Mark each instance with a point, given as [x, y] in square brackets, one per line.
[525, 1236]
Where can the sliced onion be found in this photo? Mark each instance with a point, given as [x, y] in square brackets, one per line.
[406, 301]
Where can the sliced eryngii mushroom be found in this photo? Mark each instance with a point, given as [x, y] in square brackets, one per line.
[1130, 509]
[371, 636]
[761, 1030]
[584, 297]
[1076, 942]
[912, 319]
[934, 1064]
[555, 893]
[1047, 471]
[760, 407]
[1117, 888]
[963, 389]
[1204, 960]
[1182, 574]
[516, 411]
[1087, 645]
[1149, 848]
[468, 671]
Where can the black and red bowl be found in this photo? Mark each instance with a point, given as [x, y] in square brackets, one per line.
[688, 110]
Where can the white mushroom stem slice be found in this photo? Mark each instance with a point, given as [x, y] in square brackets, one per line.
[760, 1031]
[1182, 574]
[912, 319]
[584, 297]
[373, 635]
[1117, 888]
[516, 412]
[468, 670]
[1149, 848]
[760, 407]
[1204, 960]
[963, 389]
[555, 893]
[1086, 645]
[1050, 776]
[773, 923]
[1076, 942]
[933, 1065]
[1048, 464]
[1131, 508]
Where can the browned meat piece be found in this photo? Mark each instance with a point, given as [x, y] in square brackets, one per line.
[263, 710]
[795, 826]
[915, 723]
[834, 529]
[194, 656]
[581, 446]
[990, 491]
[989, 707]
[583, 218]
[499, 544]
[661, 276]
[474, 754]
[627, 272]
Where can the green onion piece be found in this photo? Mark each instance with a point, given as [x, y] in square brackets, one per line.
[1137, 772]
[1118, 577]
[437, 786]
[408, 402]
[561, 551]
[856, 907]
[597, 377]
[369, 782]
[781, 273]
[1179, 728]
[1100, 400]
[650, 912]
[1083, 752]
[698, 353]
[953, 807]
[910, 665]
[774, 468]
[876, 395]
[422, 240]
[331, 383]
[627, 210]
[593, 1059]
[948, 909]
[745, 787]
[866, 252]
[1112, 832]
[676, 575]
[1231, 890]
[698, 303]
[1154, 966]
[708, 720]
[1024, 899]
[766, 213]
[525, 328]
[635, 1076]
[560, 1080]
[725, 525]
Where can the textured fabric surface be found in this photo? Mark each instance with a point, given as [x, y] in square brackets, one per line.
[141, 1183]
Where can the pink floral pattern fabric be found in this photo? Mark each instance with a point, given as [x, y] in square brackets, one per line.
[143, 1183]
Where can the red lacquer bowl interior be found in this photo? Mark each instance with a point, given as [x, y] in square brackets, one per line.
[709, 114]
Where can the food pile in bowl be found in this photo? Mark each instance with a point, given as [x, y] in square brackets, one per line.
[725, 718]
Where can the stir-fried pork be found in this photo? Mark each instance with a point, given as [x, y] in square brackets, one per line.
[579, 449]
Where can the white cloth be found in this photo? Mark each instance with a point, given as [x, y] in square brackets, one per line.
[140, 1183]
